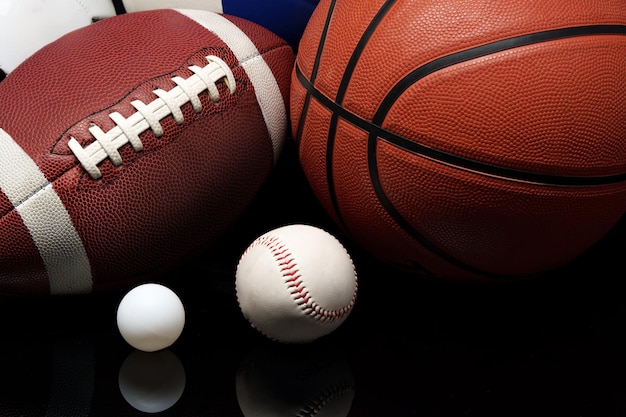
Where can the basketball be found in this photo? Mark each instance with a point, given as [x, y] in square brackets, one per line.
[463, 139]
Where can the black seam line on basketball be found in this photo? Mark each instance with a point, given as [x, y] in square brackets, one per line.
[448, 159]
[434, 66]
[481, 51]
[489, 49]
[376, 130]
[358, 50]
[341, 92]
[119, 6]
[314, 70]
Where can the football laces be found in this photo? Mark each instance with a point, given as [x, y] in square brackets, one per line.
[149, 115]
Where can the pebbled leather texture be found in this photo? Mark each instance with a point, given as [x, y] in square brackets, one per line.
[181, 192]
[466, 140]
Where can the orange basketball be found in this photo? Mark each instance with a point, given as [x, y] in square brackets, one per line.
[465, 139]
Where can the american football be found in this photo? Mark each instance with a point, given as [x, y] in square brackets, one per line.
[129, 144]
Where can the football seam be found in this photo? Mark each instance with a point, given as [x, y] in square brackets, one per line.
[53, 179]
[148, 116]
[240, 64]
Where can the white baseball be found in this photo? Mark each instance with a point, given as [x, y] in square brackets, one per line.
[296, 283]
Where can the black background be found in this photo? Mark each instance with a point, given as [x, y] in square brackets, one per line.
[411, 347]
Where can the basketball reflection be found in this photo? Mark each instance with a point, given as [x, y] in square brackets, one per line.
[294, 380]
[152, 381]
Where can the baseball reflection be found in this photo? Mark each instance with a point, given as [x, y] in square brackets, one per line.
[294, 380]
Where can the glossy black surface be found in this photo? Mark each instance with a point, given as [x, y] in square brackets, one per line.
[411, 347]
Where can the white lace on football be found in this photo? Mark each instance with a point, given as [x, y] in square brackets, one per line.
[149, 116]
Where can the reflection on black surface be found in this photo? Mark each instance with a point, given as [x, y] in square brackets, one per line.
[276, 380]
[152, 381]
[549, 347]
[47, 378]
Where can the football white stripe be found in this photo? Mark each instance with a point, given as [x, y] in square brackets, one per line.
[46, 218]
[265, 86]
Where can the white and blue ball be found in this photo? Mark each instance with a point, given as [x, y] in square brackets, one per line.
[28, 25]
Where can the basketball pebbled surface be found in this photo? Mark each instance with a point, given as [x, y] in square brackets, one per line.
[462, 140]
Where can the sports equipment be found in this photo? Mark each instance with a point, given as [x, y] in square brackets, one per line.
[296, 283]
[27, 25]
[465, 141]
[141, 147]
[286, 18]
[150, 317]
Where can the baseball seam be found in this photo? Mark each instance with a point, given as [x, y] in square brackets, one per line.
[296, 287]
[330, 393]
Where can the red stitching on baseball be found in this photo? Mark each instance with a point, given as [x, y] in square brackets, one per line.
[300, 294]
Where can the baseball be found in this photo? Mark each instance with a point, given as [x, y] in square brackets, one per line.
[296, 283]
